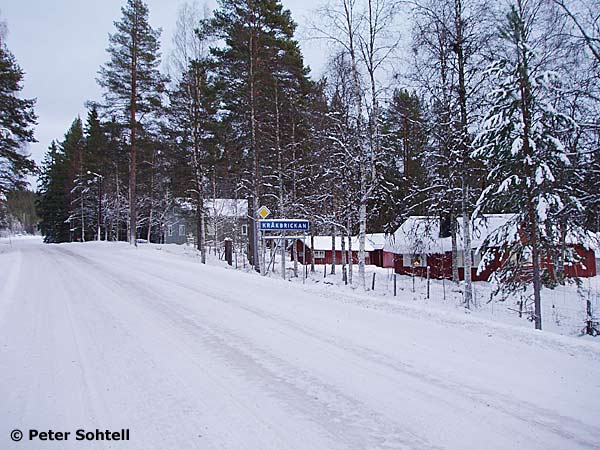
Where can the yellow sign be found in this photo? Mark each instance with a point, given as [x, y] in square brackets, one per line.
[264, 212]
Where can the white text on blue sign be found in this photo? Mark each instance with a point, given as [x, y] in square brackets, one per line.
[302, 225]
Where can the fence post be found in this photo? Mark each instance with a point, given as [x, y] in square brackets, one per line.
[428, 278]
[228, 251]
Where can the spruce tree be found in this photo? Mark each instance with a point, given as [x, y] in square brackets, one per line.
[53, 204]
[524, 157]
[192, 128]
[402, 189]
[133, 84]
[76, 189]
[95, 170]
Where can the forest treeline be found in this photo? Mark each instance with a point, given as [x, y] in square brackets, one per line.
[492, 107]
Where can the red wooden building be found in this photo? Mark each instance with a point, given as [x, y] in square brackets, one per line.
[417, 245]
[323, 251]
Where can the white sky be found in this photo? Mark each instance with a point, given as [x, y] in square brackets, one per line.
[61, 44]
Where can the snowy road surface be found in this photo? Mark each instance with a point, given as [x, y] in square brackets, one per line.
[193, 357]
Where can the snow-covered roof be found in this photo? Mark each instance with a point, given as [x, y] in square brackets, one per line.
[373, 241]
[228, 207]
[376, 240]
[224, 207]
[421, 234]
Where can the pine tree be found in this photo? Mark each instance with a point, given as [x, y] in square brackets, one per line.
[259, 61]
[133, 84]
[16, 125]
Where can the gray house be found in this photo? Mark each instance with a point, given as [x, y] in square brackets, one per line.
[225, 218]
[180, 224]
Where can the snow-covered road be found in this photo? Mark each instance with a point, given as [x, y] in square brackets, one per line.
[198, 357]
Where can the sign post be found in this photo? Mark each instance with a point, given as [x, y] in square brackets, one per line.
[280, 229]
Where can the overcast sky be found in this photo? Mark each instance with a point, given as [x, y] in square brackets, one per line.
[61, 44]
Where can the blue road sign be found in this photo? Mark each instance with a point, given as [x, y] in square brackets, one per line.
[284, 224]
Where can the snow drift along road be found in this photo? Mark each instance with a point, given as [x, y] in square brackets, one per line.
[194, 357]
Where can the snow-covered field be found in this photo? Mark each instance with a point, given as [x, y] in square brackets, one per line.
[188, 356]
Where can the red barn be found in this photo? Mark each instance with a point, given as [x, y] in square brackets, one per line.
[417, 245]
[374, 244]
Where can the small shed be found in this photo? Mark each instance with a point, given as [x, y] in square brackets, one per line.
[375, 243]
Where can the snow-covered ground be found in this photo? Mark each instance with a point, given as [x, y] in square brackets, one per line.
[563, 308]
[191, 356]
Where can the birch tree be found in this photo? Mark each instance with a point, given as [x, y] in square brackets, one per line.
[451, 36]
[362, 34]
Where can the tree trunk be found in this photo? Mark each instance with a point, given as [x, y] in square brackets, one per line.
[133, 157]
[201, 227]
[462, 99]
[151, 195]
[255, 159]
[453, 232]
[467, 262]
[296, 260]
[332, 250]
[350, 258]
[362, 218]
[531, 208]
[312, 247]
[343, 248]
[536, 275]
[280, 178]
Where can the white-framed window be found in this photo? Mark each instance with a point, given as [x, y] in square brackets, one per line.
[244, 230]
[412, 260]
[181, 230]
[319, 254]
[170, 230]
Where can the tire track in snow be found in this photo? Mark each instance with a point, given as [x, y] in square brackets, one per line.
[566, 427]
[139, 365]
[528, 413]
[350, 421]
[231, 437]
